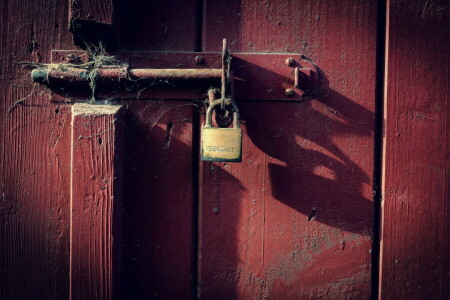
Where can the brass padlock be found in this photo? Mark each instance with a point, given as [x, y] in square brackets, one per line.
[222, 144]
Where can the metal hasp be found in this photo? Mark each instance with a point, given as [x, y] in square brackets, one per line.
[76, 75]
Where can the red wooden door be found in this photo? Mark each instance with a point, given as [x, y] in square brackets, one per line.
[112, 200]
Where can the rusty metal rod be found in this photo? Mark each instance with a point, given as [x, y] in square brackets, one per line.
[121, 73]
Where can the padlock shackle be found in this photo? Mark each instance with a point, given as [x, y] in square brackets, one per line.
[228, 102]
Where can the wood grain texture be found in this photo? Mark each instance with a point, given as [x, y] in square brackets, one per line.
[34, 156]
[96, 201]
[415, 237]
[294, 219]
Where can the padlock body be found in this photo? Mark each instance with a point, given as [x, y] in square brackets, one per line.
[221, 144]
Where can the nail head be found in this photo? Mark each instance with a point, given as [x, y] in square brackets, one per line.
[289, 92]
[290, 62]
[199, 60]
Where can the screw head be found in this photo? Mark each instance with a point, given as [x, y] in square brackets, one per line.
[199, 60]
[290, 62]
[289, 92]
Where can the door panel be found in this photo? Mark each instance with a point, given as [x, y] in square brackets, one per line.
[415, 259]
[294, 219]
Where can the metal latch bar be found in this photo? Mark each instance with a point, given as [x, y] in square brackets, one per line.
[73, 74]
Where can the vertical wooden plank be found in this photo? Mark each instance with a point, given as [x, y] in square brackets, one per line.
[96, 201]
[34, 156]
[415, 234]
[294, 219]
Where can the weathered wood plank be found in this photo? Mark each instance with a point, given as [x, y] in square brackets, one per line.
[415, 257]
[96, 201]
[294, 219]
[34, 156]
